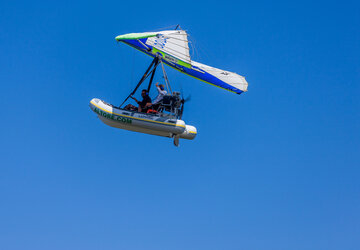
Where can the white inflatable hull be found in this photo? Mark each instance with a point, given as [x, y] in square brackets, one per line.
[141, 122]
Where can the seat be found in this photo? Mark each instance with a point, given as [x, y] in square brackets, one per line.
[151, 111]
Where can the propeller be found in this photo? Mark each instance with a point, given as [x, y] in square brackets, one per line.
[183, 103]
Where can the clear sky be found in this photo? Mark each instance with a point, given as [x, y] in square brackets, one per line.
[274, 168]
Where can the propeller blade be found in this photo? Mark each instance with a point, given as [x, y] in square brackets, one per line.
[187, 98]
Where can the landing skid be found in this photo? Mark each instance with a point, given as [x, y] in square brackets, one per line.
[176, 141]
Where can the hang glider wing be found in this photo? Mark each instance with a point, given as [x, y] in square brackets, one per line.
[173, 46]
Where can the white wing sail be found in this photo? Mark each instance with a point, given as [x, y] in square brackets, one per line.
[172, 42]
[230, 78]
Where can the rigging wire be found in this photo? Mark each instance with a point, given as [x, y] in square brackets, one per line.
[171, 26]
[168, 86]
[192, 49]
[199, 51]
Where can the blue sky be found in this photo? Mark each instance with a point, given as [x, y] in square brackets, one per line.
[274, 168]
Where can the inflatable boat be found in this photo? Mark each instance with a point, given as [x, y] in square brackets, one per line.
[160, 124]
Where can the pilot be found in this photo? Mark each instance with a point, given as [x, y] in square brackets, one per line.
[143, 105]
[161, 89]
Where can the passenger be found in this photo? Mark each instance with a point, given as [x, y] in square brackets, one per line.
[143, 105]
[161, 89]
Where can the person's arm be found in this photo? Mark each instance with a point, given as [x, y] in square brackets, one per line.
[134, 99]
[157, 87]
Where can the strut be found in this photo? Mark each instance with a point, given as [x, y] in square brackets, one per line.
[151, 70]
